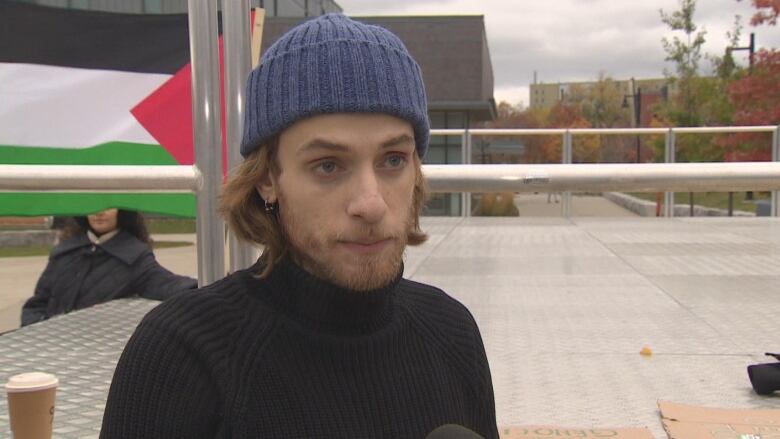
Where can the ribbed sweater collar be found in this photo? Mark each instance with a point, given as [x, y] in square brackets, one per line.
[323, 306]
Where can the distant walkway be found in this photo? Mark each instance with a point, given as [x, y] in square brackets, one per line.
[540, 205]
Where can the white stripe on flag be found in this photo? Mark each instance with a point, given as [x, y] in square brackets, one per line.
[71, 108]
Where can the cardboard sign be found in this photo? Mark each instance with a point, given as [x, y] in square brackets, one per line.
[693, 422]
[553, 432]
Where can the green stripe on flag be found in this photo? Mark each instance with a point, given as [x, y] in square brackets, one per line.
[110, 153]
[66, 204]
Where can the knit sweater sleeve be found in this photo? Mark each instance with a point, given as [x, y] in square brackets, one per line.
[456, 331]
[487, 417]
[161, 388]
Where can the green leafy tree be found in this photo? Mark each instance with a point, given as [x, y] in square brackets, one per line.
[685, 54]
[602, 103]
[602, 106]
[698, 101]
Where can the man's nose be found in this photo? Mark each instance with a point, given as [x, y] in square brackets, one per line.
[367, 202]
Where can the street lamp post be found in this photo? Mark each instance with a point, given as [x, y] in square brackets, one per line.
[637, 97]
[751, 48]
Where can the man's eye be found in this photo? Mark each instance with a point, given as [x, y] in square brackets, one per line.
[395, 161]
[326, 168]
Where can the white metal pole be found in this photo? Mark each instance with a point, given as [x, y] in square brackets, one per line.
[669, 158]
[238, 50]
[567, 159]
[637, 177]
[467, 195]
[207, 136]
[775, 209]
[117, 179]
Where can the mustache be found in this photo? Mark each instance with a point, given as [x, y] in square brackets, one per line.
[365, 233]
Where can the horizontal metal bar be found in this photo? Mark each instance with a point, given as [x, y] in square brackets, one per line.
[649, 177]
[646, 177]
[704, 130]
[93, 178]
[619, 131]
[448, 132]
[605, 131]
[518, 131]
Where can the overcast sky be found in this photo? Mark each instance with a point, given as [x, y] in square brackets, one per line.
[574, 40]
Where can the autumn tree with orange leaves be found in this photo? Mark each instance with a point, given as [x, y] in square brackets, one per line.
[768, 11]
[756, 95]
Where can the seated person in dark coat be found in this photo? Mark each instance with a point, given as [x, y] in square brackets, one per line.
[102, 257]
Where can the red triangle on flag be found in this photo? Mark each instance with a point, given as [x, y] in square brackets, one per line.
[167, 114]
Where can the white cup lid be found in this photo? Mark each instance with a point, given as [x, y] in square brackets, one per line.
[31, 381]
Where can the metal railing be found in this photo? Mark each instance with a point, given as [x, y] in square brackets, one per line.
[466, 178]
[670, 143]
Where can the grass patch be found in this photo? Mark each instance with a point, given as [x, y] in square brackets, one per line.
[15, 227]
[717, 200]
[170, 244]
[153, 225]
[170, 225]
[27, 250]
[44, 250]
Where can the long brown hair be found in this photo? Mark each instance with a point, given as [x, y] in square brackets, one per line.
[127, 220]
[244, 209]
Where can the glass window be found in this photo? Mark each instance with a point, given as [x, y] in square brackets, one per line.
[153, 7]
[436, 153]
[456, 119]
[290, 8]
[437, 119]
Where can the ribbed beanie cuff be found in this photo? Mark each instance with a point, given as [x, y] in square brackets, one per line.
[333, 64]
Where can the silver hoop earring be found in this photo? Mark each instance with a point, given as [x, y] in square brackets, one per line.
[269, 207]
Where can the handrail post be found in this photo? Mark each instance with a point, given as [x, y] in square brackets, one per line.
[775, 209]
[566, 159]
[237, 37]
[466, 196]
[669, 157]
[207, 137]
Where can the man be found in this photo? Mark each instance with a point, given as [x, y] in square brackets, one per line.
[322, 337]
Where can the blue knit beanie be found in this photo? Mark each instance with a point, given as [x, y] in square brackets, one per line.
[332, 64]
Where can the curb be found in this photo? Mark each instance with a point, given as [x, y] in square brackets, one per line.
[20, 238]
[647, 208]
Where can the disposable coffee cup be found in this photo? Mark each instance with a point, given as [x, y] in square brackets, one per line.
[31, 399]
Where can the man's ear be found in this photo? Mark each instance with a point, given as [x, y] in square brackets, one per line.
[267, 188]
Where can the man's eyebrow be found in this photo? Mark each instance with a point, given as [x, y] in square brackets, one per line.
[337, 147]
[398, 140]
[322, 144]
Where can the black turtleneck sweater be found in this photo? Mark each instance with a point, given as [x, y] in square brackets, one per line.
[291, 356]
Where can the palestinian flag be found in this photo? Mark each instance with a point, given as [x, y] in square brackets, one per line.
[83, 87]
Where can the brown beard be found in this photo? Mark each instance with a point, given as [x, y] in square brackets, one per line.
[373, 272]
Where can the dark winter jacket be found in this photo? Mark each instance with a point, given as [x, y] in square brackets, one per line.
[81, 274]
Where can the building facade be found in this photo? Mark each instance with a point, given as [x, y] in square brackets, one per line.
[273, 8]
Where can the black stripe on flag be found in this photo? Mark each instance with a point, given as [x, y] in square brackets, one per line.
[94, 40]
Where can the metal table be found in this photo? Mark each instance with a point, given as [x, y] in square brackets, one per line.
[81, 349]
